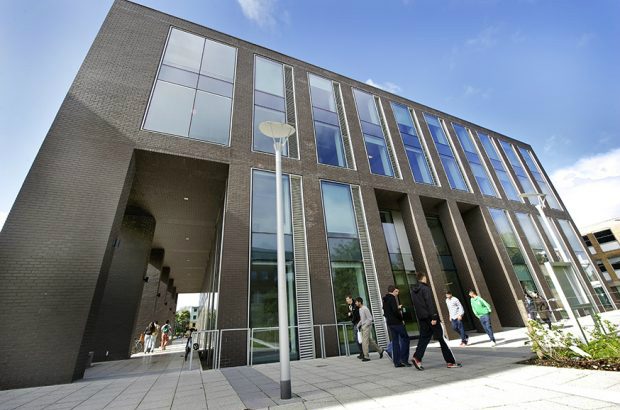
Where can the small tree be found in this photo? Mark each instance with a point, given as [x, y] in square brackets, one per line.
[182, 319]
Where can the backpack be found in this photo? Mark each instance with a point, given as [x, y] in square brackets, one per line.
[165, 328]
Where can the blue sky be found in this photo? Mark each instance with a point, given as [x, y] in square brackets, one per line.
[544, 72]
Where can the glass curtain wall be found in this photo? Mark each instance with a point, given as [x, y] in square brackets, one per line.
[402, 271]
[450, 278]
[584, 261]
[569, 282]
[269, 101]
[329, 145]
[540, 179]
[498, 165]
[376, 146]
[264, 269]
[475, 162]
[522, 176]
[194, 89]
[511, 243]
[345, 254]
[450, 164]
[416, 153]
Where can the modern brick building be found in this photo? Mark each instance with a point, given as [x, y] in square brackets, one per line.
[154, 180]
[604, 248]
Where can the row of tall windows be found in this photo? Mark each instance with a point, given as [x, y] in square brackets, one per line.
[193, 95]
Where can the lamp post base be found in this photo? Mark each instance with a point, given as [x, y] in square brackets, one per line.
[285, 389]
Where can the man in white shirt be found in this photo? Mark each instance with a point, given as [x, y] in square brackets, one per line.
[365, 326]
[456, 316]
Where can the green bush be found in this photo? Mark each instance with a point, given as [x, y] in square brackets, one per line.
[555, 344]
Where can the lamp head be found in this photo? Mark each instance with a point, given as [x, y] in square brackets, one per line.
[276, 130]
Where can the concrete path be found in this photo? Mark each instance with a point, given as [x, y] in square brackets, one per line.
[489, 378]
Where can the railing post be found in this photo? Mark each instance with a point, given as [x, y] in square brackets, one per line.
[191, 349]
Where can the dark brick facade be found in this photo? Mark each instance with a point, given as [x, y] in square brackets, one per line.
[57, 246]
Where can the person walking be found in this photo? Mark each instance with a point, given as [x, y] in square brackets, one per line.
[354, 316]
[430, 325]
[542, 308]
[365, 326]
[392, 311]
[148, 338]
[156, 334]
[482, 310]
[456, 316]
[165, 335]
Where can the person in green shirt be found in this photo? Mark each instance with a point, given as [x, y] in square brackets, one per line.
[482, 310]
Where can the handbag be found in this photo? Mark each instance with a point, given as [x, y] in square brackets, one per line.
[359, 336]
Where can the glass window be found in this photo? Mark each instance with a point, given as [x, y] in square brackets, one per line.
[211, 119]
[511, 243]
[209, 112]
[269, 77]
[338, 208]
[345, 256]
[184, 50]
[524, 179]
[378, 156]
[475, 163]
[329, 144]
[498, 165]
[450, 165]
[263, 299]
[322, 93]
[262, 142]
[376, 146]
[166, 117]
[416, 154]
[269, 101]
[218, 61]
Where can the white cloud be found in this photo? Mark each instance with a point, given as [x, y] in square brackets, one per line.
[3, 216]
[585, 39]
[259, 11]
[387, 86]
[471, 91]
[590, 187]
[487, 38]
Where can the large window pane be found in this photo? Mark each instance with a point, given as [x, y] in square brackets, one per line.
[269, 77]
[262, 142]
[178, 76]
[264, 202]
[419, 166]
[322, 93]
[338, 208]
[329, 144]
[184, 50]
[170, 110]
[211, 120]
[453, 172]
[366, 107]
[219, 61]
[378, 156]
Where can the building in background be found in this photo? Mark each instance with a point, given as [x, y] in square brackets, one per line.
[604, 248]
[154, 180]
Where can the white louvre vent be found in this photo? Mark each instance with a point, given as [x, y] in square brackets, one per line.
[344, 130]
[388, 139]
[374, 294]
[290, 111]
[302, 276]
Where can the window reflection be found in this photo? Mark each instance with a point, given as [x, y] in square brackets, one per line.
[453, 172]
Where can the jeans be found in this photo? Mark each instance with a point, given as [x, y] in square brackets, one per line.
[485, 320]
[427, 331]
[400, 344]
[457, 325]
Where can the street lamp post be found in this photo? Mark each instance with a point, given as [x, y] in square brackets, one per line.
[280, 133]
[556, 243]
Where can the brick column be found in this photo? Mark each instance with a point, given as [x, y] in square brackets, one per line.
[146, 312]
[123, 290]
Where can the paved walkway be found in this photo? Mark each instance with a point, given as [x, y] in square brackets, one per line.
[489, 378]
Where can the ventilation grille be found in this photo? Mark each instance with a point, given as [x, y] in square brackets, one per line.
[290, 111]
[302, 276]
[344, 130]
[388, 139]
[374, 293]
